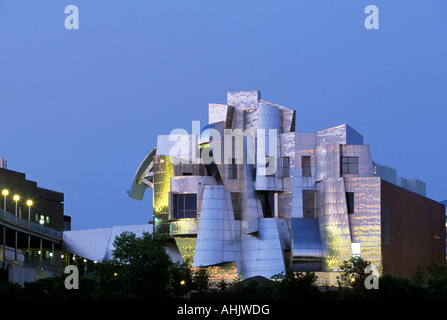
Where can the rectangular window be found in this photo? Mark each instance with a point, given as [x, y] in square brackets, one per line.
[232, 169]
[306, 166]
[286, 166]
[47, 219]
[268, 204]
[349, 165]
[236, 203]
[350, 202]
[269, 166]
[184, 206]
[309, 204]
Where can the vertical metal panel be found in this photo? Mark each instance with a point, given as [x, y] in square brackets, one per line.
[215, 240]
[327, 161]
[365, 222]
[163, 171]
[334, 223]
[262, 252]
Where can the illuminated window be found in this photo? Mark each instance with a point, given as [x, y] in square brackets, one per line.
[349, 165]
[306, 166]
[184, 206]
[41, 218]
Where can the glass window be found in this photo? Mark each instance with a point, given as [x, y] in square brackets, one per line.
[350, 202]
[286, 166]
[349, 165]
[232, 169]
[47, 219]
[184, 206]
[236, 203]
[309, 204]
[306, 166]
[268, 167]
[268, 204]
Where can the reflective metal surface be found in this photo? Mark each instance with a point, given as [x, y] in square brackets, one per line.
[258, 222]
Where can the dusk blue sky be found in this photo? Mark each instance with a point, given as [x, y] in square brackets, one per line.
[80, 109]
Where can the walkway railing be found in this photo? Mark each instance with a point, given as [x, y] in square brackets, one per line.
[31, 225]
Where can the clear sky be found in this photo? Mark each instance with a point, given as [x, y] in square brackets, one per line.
[80, 109]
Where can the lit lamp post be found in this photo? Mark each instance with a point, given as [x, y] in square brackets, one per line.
[29, 203]
[16, 198]
[5, 192]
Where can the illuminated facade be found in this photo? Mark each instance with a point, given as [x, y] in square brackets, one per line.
[249, 195]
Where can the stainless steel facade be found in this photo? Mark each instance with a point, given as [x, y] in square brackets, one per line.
[270, 198]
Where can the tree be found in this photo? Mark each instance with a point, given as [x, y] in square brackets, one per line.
[297, 285]
[140, 268]
[353, 272]
[201, 280]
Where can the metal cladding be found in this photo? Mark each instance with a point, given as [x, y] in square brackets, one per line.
[248, 189]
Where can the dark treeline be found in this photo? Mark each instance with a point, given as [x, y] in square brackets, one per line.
[141, 269]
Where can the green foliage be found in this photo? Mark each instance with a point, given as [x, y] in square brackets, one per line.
[293, 286]
[142, 266]
[201, 280]
[353, 272]
[142, 269]
[399, 288]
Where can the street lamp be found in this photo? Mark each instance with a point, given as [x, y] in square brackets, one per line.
[29, 203]
[5, 192]
[16, 198]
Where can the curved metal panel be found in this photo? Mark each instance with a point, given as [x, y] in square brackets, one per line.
[138, 185]
[215, 238]
[307, 251]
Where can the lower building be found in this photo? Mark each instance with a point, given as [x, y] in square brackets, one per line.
[32, 222]
[248, 195]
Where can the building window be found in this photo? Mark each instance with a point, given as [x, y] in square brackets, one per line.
[232, 169]
[306, 166]
[286, 166]
[184, 206]
[309, 204]
[236, 203]
[269, 166]
[350, 202]
[268, 204]
[42, 219]
[349, 165]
